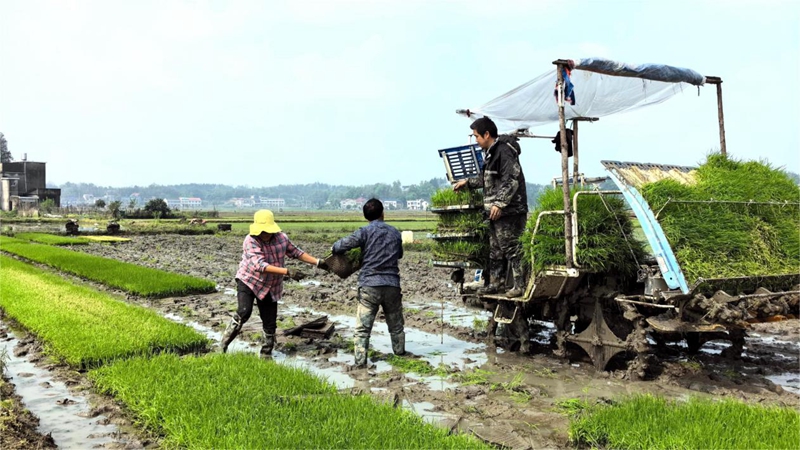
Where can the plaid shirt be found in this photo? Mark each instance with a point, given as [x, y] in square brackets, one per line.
[257, 255]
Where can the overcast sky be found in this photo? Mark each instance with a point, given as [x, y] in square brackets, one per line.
[263, 93]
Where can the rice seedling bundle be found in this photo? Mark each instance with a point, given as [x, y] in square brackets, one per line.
[240, 401]
[470, 222]
[106, 239]
[602, 244]
[647, 422]
[448, 197]
[52, 239]
[82, 326]
[717, 240]
[128, 277]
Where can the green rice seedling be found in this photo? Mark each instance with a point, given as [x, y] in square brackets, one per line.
[448, 197]
[52, 239]
[82, 326]
[475, 376]
[472, 222]
[106, 239]
[602, 243]
[241, 401]
[128, 277]
[720, 240]
[461, 250]
[647, 422]
[414, 365]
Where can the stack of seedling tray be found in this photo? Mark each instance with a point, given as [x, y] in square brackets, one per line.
[461, 238]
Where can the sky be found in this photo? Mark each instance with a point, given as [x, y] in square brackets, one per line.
[263, 93]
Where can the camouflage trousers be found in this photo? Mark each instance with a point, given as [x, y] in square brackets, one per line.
[505, 247]
[369, 300]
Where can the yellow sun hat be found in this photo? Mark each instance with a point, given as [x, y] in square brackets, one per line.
[263, 220]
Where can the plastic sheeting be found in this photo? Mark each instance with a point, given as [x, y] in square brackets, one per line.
[597, 94]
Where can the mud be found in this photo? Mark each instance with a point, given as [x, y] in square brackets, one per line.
[501, 396]
[65, 411]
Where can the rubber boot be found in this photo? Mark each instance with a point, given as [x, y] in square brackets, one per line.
[399, 344]
[267, 343]
[495, 277]
[360, 349]
[231, 332]
[519, 282]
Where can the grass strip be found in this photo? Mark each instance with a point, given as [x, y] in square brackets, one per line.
[128, 277]
[240, 401]
[720, 240]
[601, 242]
[52, 239]
[82, 326]
[647, 422]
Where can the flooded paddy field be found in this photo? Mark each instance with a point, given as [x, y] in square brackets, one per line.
[462, 382]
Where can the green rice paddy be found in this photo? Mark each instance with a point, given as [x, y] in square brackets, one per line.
[82, 326]
[241, 401]
[128, 277]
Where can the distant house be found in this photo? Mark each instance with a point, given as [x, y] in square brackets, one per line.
[389, 204]
[417, 205]
[352, 203]
[272, 202]
[23, 184]
[172, 203]
[190, 202]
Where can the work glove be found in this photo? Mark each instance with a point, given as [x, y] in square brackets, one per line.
[295, 274]
[321, 264]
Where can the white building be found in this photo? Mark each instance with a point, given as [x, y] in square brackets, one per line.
[272, 202]
[190, 202]
[390, 204]
[417, 205]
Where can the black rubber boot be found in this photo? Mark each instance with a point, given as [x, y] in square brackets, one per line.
[231, 332]
[267, 343]
[519, 281]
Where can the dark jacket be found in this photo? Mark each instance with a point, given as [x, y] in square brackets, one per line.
[502, 179]
[381, 246]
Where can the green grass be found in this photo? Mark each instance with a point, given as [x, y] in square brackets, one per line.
[646, 422]
[414, 365]
[128, 277]
[240, 401]
[601, 242]
[719, 240]
[82, 326]
[461, 250]
[52, 239]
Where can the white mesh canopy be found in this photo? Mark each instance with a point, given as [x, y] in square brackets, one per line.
[596, 94]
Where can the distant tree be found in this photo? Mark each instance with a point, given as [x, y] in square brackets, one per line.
[114, 208]
[100, 203]
[132, 204]
[158, 208]
[5, 155]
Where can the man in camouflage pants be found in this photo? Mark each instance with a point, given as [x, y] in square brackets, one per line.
[505, 198]
[378, 281]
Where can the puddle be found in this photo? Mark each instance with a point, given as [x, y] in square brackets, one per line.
[69, 424]
[424, 409]
[789, 381]
[459, 316]
[333, 375]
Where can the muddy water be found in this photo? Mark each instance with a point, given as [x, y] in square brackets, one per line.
[64, 414]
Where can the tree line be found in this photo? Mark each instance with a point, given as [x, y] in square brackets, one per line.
[313, 195]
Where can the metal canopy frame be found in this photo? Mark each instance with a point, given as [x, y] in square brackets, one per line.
[565, 186]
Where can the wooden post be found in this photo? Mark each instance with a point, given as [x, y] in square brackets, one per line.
[564, 166]
[575, 153]
[718, 81]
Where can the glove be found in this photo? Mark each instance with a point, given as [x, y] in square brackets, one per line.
[295, 274]
[321, 264]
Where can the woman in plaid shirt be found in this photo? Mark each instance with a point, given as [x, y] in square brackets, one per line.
[260, 277]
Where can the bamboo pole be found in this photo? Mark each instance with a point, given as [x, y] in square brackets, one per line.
[720, 115]
[564, 167]
[575, 153]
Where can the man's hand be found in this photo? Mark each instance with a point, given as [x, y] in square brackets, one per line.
[321, 264]
[459, 185]
[294, 274]
[495, 213]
